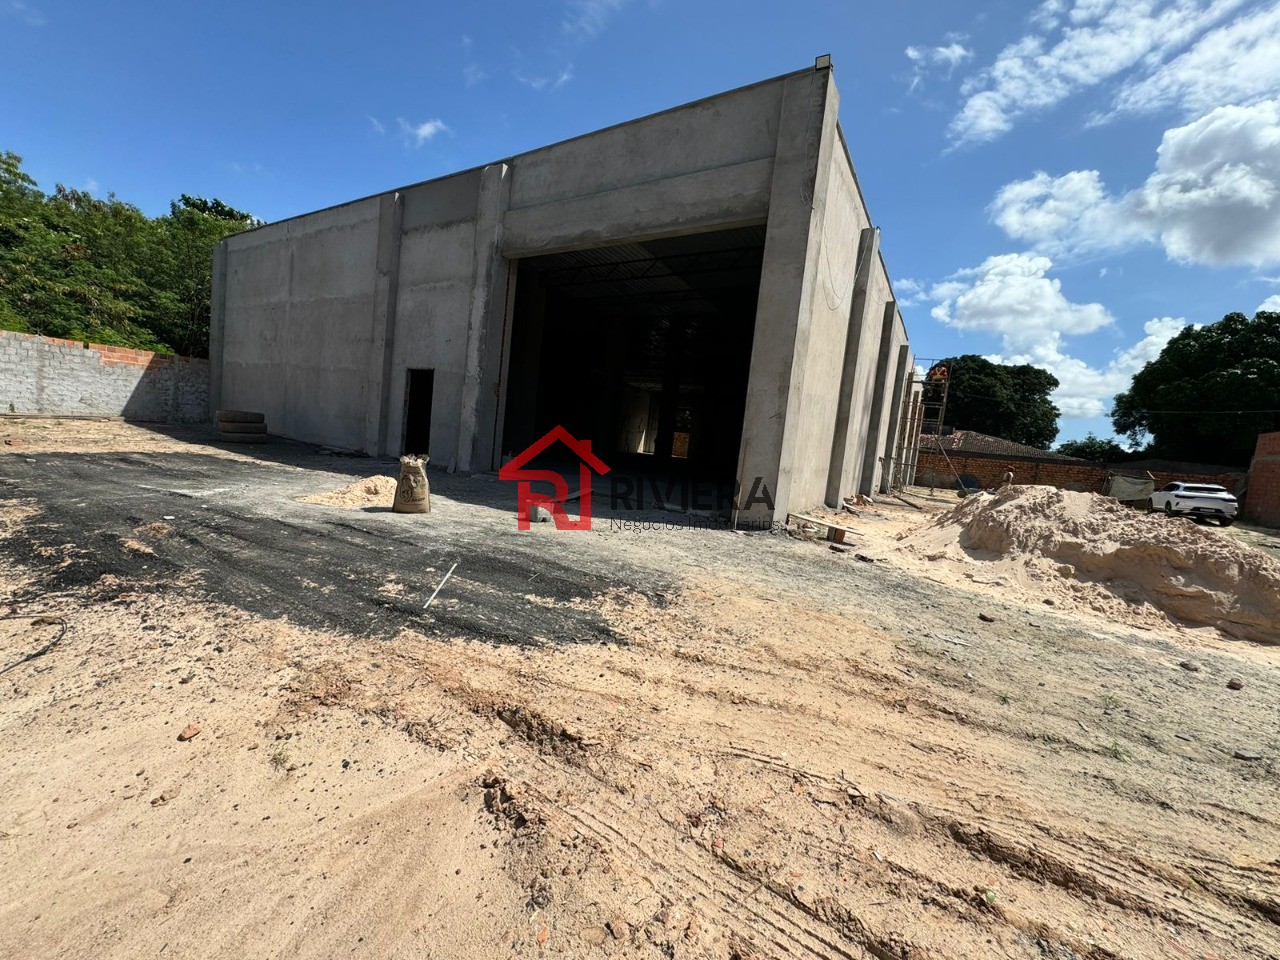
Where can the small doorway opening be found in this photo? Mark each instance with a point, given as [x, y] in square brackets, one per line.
[418, 387]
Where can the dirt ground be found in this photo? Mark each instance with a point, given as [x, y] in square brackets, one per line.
[645, 740]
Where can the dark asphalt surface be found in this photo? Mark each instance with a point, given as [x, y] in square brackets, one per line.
[240, 535]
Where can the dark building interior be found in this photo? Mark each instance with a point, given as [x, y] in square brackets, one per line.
[644, 349]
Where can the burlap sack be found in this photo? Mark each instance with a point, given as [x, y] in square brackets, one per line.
[413, 495]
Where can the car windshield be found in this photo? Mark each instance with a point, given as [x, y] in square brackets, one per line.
[1205, 488]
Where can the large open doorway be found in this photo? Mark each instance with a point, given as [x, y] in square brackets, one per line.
[418, 389]
[642, 348]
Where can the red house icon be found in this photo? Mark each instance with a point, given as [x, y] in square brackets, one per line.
[526, 498]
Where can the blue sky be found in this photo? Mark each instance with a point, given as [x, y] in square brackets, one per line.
[1066, 182]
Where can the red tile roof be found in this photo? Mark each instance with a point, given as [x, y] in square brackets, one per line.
[969, 441]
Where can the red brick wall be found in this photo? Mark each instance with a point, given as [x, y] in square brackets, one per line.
[107, 356]
[990, 471]
[1067, 474]
[1262, 503]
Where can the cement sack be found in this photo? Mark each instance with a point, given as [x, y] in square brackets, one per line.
[413, 495]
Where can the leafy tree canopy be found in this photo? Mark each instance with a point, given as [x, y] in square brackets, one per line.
[83, 268]
[1205, 398]
[1095, 448]
[1011, 402]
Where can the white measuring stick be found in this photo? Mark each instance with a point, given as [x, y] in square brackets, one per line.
[442, 583]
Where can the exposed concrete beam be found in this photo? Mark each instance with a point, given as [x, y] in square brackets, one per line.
[382, 346]
[691, 203]
[868, 255]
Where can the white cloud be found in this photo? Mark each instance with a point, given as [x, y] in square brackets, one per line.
[586, 19]
[416, 134]
[91, 185]
[928, 58]
[541, 82]
[1087, 391]
[1064, 215]
[1013, 297]
[1214, 197]
[1272, 304]
[378, 128]
[1048, 15]
[473, 74]
[24, 12]
[1099, 40]
[1238, 63]
[909, 292]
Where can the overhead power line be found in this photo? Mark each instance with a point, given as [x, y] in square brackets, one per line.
[1205, 413]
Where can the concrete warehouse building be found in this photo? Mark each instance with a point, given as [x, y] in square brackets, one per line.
[699, 293]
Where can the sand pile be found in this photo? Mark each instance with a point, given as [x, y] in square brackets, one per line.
[369, 492]
[1115, 560]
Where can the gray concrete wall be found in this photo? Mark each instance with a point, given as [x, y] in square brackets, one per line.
[317, 319]
[46, 376]
[432, 305]
[298, 324]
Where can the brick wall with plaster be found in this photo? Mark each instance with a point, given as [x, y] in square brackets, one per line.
[1262, 504]
[48, 376]
[989, 470]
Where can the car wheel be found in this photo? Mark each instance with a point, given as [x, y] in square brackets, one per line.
[1147, 505]
[1168, 509]
[1226, 521]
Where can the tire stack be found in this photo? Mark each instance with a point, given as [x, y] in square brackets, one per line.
[241, 426]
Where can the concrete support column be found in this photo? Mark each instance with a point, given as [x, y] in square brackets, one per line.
[669, 399]
[893, 439]
[839, 471]
[912, 453]
[217, 327]
[797, 200]
[870, 476]
[485, 322]
[386, 282]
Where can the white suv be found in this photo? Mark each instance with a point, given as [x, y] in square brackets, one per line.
[1196, 500]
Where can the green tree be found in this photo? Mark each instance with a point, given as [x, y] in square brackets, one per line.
[1094, 448]
[1011, 402]
[1209, 394]
[84, 268]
